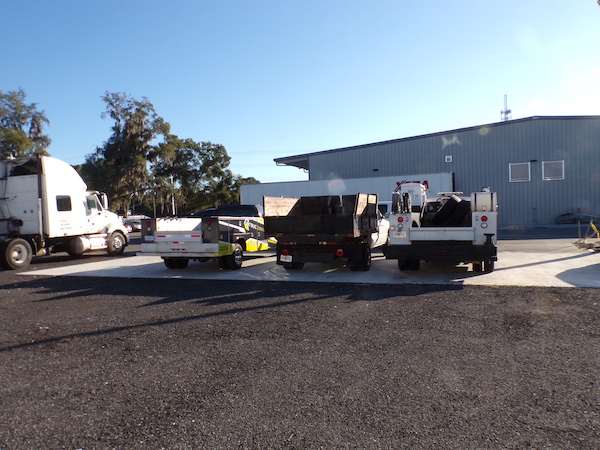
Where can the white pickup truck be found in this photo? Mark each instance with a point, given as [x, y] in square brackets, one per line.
[445, 228]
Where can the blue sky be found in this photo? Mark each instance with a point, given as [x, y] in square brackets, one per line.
[273, 78]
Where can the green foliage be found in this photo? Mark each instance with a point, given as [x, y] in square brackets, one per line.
[194, 172]
[21, 126]
[144, 168]
[120, 166]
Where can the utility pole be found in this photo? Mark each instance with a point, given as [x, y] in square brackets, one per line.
[173, 210]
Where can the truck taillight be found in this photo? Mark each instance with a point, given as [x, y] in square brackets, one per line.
[339, 252]
[285, 252]
[400, 219]
[484, 218]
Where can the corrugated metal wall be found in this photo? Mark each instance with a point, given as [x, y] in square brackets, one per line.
[480, 156]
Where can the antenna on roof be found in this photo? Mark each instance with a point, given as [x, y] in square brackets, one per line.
[505, 114]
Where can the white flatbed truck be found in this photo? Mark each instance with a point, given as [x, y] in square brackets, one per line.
[325, 228]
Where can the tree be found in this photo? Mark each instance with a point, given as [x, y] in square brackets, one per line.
[134, 166]
[21, 126]
[195, 173]
[120, 166]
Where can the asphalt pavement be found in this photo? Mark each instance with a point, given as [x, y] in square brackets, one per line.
[93, 356]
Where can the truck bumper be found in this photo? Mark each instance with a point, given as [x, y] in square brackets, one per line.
[442, 251]
[317, 253]
[191, 251]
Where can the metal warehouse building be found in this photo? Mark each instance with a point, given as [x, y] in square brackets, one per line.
[541, 167]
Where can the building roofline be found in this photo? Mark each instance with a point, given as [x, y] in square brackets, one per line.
[302, 160]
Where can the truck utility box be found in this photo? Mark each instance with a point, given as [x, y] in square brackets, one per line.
[325, 228]
[444, 228]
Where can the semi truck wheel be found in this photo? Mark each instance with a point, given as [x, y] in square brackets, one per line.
[116, 244]
[15, 254]
[235, 260]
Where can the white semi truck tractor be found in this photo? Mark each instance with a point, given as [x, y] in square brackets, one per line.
[45, 207]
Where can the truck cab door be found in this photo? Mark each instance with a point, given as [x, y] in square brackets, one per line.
[95, 214]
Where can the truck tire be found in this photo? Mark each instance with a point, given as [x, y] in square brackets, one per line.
[116, 244]
[403, 264]
[15, 254]
[409, 264]
[364, 261]
[233, 261]
[176, 263]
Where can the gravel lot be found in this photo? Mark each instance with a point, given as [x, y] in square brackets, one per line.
[122, 363]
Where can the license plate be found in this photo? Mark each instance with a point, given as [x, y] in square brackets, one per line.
[285, 258]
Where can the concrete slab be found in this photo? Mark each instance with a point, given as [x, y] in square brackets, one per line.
[520, 263]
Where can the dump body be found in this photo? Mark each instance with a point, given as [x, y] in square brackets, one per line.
[325, 228]
[45, 207]
[446, 228]
[180, 239]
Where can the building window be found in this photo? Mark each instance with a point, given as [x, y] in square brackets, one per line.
[63, 203]
[519, 172]
[553, 170]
